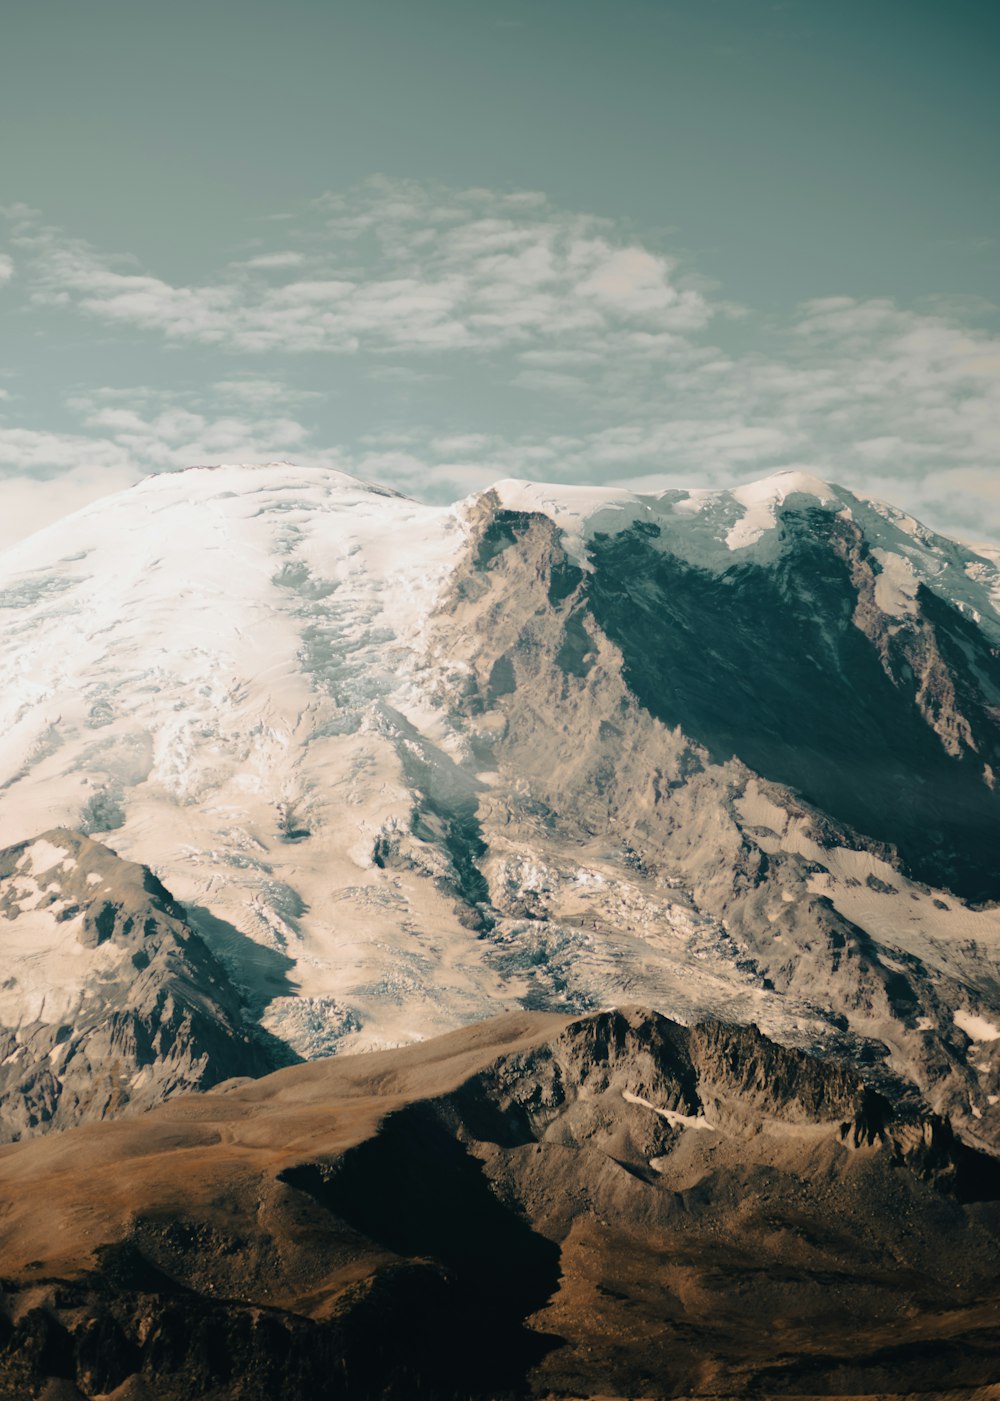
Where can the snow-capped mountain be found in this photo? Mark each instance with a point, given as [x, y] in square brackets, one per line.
[405, 767]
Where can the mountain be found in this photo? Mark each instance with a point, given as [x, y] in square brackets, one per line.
[110, 1001]
[535, 1206]
[732, 755]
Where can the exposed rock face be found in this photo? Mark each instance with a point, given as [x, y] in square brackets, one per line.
[638, 699]
[111, 1001]
[613, 1206]
[873, 717]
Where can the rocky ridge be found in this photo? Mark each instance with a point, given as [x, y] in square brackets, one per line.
[536, 1206]
[111, 1002]
[741, 894]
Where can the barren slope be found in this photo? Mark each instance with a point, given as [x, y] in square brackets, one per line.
[607, 1207]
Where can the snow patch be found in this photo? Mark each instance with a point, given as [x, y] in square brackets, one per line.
[762, 499]
[675, 1120]
[975, 1027]
[44, 856]
[578, 511]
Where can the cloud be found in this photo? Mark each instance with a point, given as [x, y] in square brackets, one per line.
[47, 454]
[634, 282]
[267, 261]
[466, 444]
[30, 504]
[441, 271]
[551, 382]
[123, 445]
[400, 374]
[544, 342]
[6, 268]
[261, 392]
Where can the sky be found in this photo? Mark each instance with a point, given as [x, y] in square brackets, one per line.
[439, 243]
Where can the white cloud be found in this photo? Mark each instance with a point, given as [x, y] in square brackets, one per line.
[466, 444]
[400, 374]
[551, 382]
[6, 268]
[634, 282]
[261, 392]
[266, 261]
[30, 503]
[32, 451]
[597, 347]
[473, 270]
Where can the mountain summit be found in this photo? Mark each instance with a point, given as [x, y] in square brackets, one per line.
[402, 767]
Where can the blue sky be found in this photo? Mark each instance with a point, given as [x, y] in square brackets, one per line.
[437, 243]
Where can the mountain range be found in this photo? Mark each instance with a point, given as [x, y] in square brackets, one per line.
[304, 780]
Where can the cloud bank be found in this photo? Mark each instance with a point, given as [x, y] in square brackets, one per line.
[598, 355]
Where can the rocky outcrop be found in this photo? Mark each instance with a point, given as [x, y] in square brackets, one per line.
[608, 1206]
[111, 1000]
[641, 700]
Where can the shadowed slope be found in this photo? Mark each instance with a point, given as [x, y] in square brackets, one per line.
[771, 664]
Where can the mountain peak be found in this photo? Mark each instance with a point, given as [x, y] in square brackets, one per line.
[255, 476]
